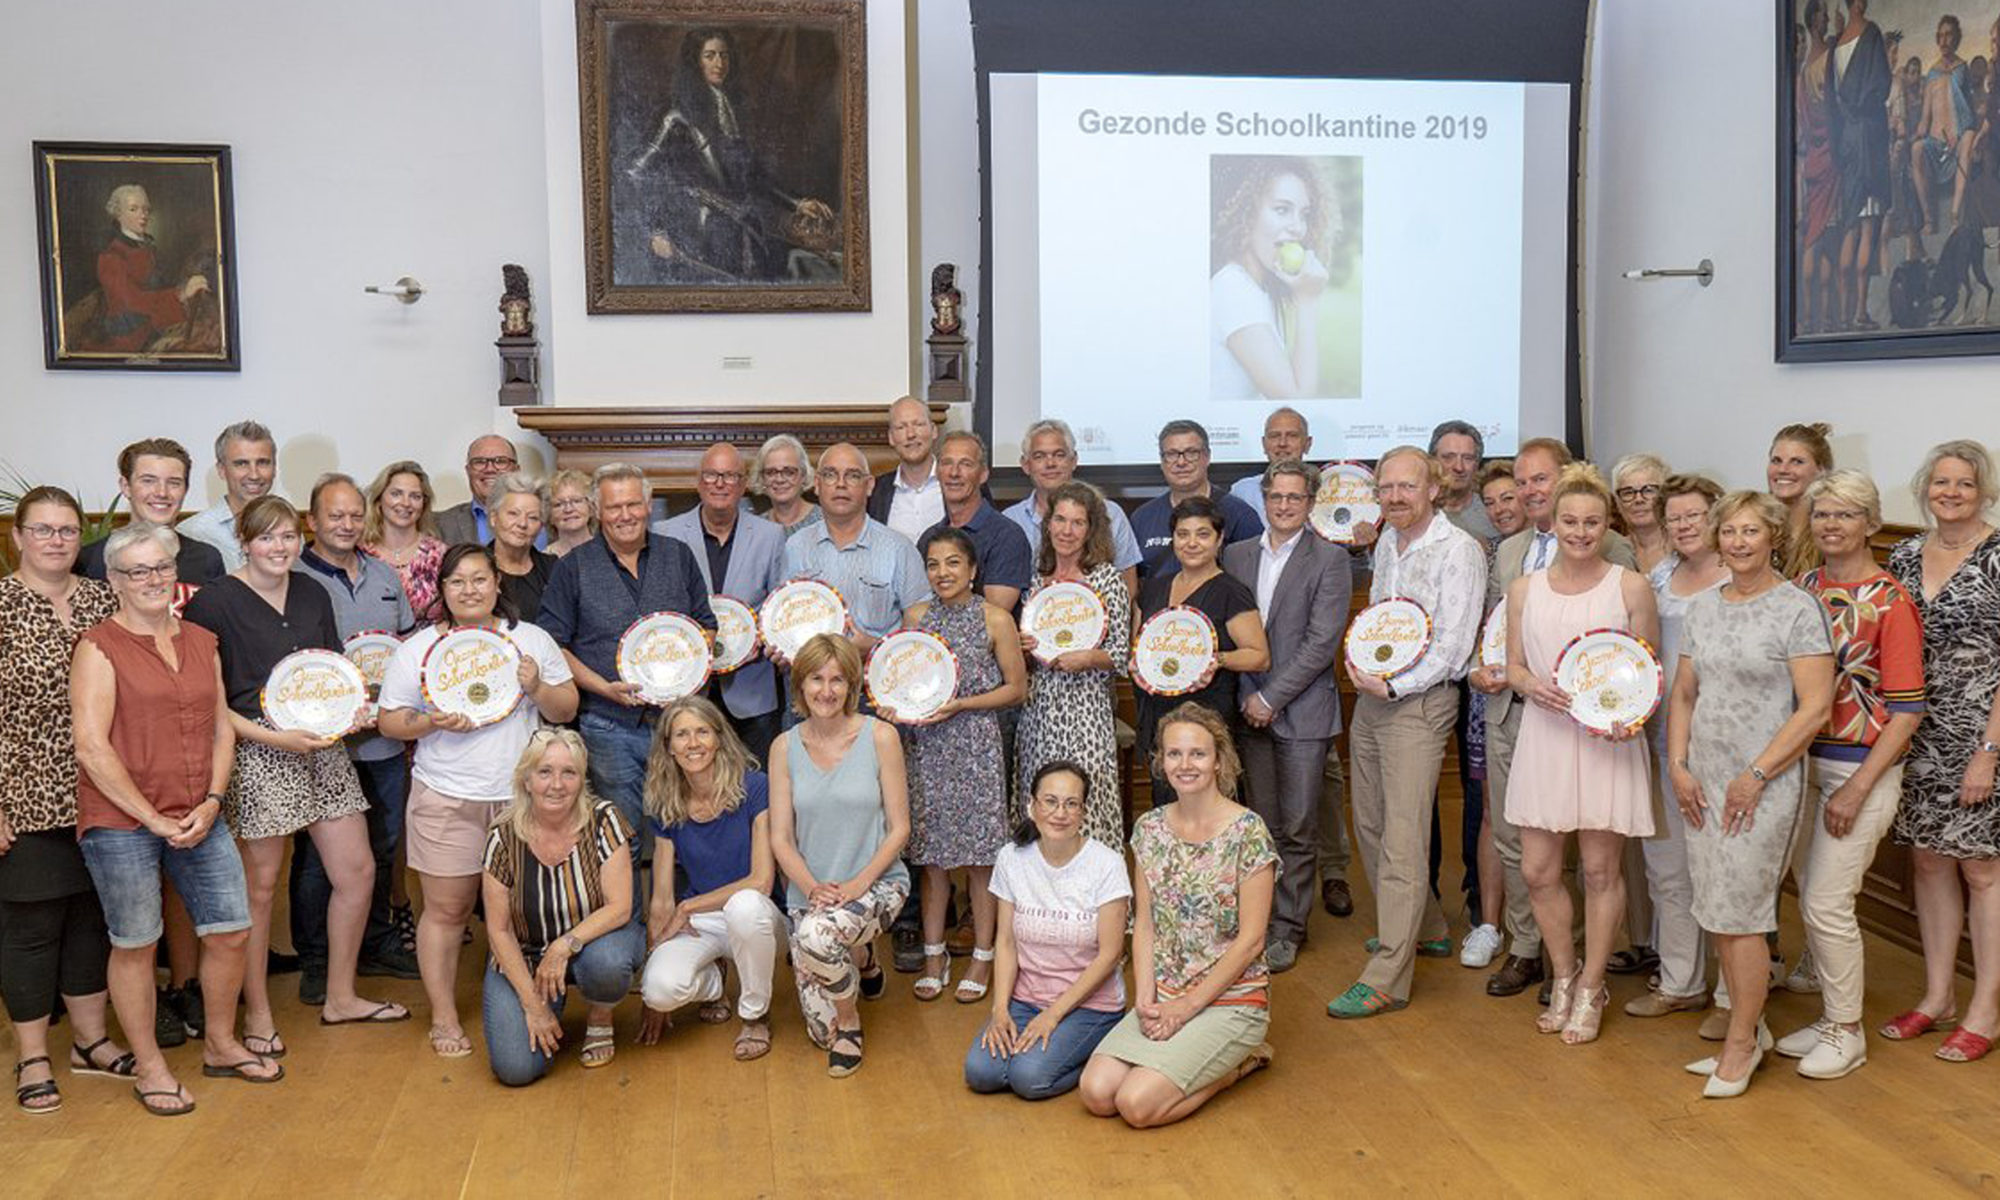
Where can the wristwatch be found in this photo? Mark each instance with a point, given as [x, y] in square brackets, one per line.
[575, 947]
[1989, 747]
[1757, 773]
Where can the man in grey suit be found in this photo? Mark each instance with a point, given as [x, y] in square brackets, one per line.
[486, 459]
[1537, 464]
[740, 555]
[1303, 586]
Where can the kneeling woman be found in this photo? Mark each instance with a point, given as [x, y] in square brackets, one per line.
[1057, 989]
[559, 866]
[1203, 896]
[710, 809]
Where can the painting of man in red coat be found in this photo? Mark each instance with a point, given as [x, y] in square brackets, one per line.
[138, 305]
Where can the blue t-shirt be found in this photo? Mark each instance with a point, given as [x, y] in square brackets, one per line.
[713, 854]
[1153, 523]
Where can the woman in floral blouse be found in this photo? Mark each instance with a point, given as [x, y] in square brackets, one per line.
[1203, 899]
[401, 530]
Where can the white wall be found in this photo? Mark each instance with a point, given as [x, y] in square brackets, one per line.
[667, 359]
[370, 140]
[1682, 168]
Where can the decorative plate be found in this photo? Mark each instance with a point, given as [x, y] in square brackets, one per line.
[371, 650]
[473, 673]
[1387, 639]
[1493, 643]
[1613, 679]
[1062, 617]
[318, 691]
[1346, 498]
[736, 638]
[666, 654]
[796, 612]
[911, 673]
[1174, 651]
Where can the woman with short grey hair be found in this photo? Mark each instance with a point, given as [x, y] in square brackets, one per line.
[517, 506]
[781, 475]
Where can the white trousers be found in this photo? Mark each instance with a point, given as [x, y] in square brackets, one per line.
[687, 968]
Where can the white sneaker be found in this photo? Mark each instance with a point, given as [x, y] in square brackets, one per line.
[1839, 1051]
[1800, 1042]
[1804, 977]
[1479, 947]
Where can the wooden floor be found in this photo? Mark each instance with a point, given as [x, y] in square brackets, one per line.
[1455, 1096]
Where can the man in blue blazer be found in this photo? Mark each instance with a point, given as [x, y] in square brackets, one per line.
[740, 555]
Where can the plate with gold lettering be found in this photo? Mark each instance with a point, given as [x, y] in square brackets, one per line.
[1613, 679]
[1493, 643]
[1062, 617]
[318, 691]
[911, 673]
[796, 612]
[473, 673]
[1175, 651]
[736, 637]
[1346, 498]
[666, 654]
[1387, 639]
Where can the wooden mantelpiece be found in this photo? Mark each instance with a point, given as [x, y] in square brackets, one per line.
[667, 443]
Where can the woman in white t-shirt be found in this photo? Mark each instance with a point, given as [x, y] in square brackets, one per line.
[1272, 217]
[1056, 986]
[463, 775]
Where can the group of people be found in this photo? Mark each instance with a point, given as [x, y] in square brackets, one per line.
[1814, 702]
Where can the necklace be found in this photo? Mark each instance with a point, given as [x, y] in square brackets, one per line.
[1978, 535]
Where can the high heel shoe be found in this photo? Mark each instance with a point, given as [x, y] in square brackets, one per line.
[1586, 1014]
[1718, 1088]
[1706, 1066]
[928, 986]
[1562, 995]
[971, 991]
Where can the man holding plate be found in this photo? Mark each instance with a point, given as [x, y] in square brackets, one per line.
[1401, 723]
[1291, 712]
[742, 555]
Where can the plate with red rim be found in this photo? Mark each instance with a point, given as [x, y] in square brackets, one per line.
[1493, 642]
[318, 691]
[1064, 616]
[666, 654]
[1175, 651]
[911, 673]
[473, 672]
[1613, 679]
[1387, 639]
[1346, 498]
[736, 638]
[796, 612]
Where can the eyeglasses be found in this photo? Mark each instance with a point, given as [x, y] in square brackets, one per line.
[1287, 498]
[1182, 456]
[163, 572]
[1059, 804]
[1629, 494]
[494, 462]
[782, 473]
[51, 533]
[1693, 518]
[855, 478]
[571, 502]
[722, 477]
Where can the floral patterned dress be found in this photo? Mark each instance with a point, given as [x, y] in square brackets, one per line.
[1195, 888]
[958, 778]
[1961, 673]
[1069, 716]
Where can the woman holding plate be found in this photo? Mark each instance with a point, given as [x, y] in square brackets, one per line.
[401, 530]
[958, 780]
[1754, 685]
[287, 779]
[1069, 715]
[1229, 605]
[1568, 777]
[463, 773]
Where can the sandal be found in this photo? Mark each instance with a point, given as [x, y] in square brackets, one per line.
[123, 1067]
[840, 1065]
[1562, 998]
[600, 1046]
[274, 1046]
[1256, 1060]
[1586, 1014]
[445, 1044]
[971, 991]
[873, 981]
[715, 1012]
[25, 1094]
[1964, 1046]
[928, 986]
[1633, 961]
[753, 1040]
[1915, 1023]
[182, 1105]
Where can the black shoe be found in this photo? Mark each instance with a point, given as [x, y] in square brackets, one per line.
[404, 919]
[1335, 897]
[907, 944]
[1543, 993]
[391, 961]
[1636, 961]
[1515, 975]
[873, 981]
[167, 1029]
[190, 1007]
[312, 985]
[277, 962]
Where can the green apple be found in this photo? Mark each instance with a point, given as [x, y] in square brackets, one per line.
[1291, 257]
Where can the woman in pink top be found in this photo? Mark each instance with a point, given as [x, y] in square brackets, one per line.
[1061, 931]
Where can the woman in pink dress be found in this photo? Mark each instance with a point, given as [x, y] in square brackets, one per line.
[1564, 778]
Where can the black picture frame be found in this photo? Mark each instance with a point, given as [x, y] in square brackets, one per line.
[124, 291]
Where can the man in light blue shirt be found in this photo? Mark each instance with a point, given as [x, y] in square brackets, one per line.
[1048, 456]
[875, 569]
[247, 456]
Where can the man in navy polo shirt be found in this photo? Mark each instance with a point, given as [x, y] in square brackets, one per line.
[1184, 462]
[1005, 562]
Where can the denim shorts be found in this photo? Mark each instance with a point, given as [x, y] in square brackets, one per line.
[126, 866]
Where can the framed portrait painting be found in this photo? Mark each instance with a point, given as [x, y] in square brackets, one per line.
[138, 257]
[725, 161]
[1888, 180]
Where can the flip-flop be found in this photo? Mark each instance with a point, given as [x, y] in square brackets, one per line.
[374, 1016]
[179, 1095]
[274, 1047]
[236, 1071]
[450, 1045]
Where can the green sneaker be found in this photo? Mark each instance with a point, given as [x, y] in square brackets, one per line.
[1363, 1001]
[1437, 948]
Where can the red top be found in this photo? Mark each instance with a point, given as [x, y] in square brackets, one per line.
[163, 728]
[1878, 649]
[135, 311]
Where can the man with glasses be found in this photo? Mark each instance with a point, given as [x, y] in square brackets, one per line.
[1461, 449]
[247, 456]
[1184, 463]
[741, 555]
[875, 569]
[909, 499]
[1006, 563]
[1048, 456]
[595, 593]
[1286, 439]
[487, 459]
[153, 478]
[1291, 712]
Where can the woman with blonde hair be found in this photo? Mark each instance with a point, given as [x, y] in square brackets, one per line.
[1636, 480]
[710, 809]
[572, 518]
[401, 530]
[558, 892]
[1799, 454]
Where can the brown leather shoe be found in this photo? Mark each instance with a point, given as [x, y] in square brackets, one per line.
[1338, 900]
[1515, 975]
[1655, 1004]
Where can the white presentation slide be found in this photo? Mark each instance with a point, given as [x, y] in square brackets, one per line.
[1380, 255]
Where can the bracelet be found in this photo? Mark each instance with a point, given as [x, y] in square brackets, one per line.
[1989, 748]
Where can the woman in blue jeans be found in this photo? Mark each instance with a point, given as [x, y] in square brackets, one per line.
[559, 866]
[1056, 987]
